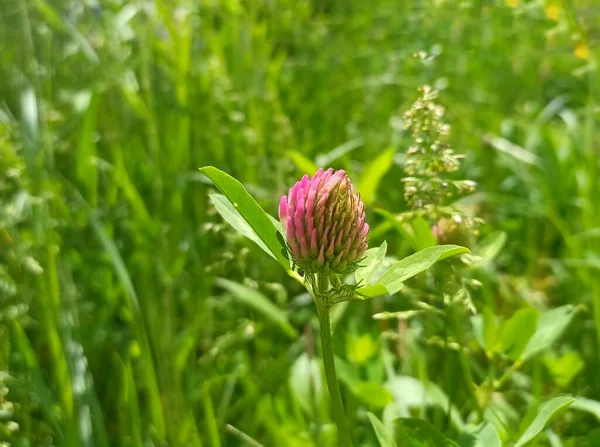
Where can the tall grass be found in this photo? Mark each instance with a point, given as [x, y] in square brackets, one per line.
[113, 330]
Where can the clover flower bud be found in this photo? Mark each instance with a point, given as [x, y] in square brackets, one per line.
[324, 222]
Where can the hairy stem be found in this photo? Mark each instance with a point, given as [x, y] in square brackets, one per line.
[332, 384]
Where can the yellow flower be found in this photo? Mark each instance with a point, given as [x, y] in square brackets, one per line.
[582, 51]
[553, 12]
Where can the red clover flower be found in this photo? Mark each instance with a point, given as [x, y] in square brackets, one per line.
[324, 221]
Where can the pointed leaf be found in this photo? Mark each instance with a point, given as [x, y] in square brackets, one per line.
[491, 245]
[410, 266]
[491, 330]
[564, 368]
[396, 222]
[589, 405]
[410, 393]
[385, 439]
[371, 393]
[373, 173]
[478, 332]
[233, 218]
[303, 163]
[488, 437]
[339, 151]
[420, 433]
[547, 411]
[307, 384]
[251, 212]
[517, 332]
[360, 349]
[486, 329]
[484, 435]
[371, 291]
[550, 326]
[423, 236]
[370, 264]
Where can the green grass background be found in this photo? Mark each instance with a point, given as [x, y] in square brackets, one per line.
[113, 331]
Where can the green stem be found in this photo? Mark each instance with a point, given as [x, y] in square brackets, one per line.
[332, 384]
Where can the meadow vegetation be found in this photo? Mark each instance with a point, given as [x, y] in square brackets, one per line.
[133, 314]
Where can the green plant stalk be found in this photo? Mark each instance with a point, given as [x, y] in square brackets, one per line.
[335, 396]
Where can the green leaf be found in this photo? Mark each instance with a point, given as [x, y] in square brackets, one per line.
[373, 173]
[486, 329]
[564, 368]
[550, 326]
[423, 236]
[517, 332]
[233, 218]
[260, 303]
[307, 384]
[326, 159]
[419, 433]
[399, 225]
[477, 325]
[371, 393]
[554, 439]
[303, 163]
[85, 170]
[410, 393]
[212, 426]
[251, 212]
[587, 405]
[519, 153]
[488, 437]
[371, 263]
[547, 411]
[484, 435]
[491, 245]
[416, 263]
[410, 266]
[491, 330]
[360, 349]
[371, 291]
[385, 439]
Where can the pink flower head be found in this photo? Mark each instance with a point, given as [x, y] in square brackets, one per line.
[324, 221]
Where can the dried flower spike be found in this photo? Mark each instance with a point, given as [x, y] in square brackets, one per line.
[324, 220]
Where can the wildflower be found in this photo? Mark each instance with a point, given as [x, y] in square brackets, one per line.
[324, 221]
[582, 51]
[553, 12]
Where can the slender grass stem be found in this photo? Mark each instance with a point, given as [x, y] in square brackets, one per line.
[242, 436]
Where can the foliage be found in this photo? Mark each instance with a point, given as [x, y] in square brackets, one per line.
[132, 314]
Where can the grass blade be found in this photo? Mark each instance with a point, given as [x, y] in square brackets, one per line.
[260, 303]
[546, 412]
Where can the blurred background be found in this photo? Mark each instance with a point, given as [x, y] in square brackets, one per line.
[115, 326]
